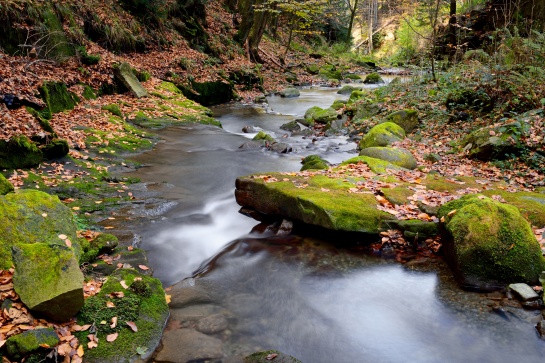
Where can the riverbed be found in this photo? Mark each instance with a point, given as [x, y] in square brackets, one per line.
[306, 297]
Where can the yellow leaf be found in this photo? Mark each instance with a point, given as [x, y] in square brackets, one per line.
[80, 351]
[168, 298]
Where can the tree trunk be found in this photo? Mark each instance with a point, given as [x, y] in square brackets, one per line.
[452, 25]
[289, 41]
[246, 10]
[256, 33]
[353, 10]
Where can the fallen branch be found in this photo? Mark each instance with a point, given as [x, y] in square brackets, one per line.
[270, 57]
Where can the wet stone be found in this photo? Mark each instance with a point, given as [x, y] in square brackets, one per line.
[186, 292]
[540, 327]
[188, 345]
[524, 292]
[212, 324]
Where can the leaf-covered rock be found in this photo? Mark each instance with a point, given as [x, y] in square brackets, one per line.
[21, 345]
[489, 244]
[48, 280]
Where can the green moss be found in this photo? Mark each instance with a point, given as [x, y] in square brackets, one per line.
[397, 195]
[376, 165]
[397, 156]
[19, 152]
[357, 95]
[383, 134]
[113, 109]
[54, 149]
[20, 345]
[103, 243]
[5, 185]
[261, 135]
[312, 69]
[407, 119]
[347, 90]
[338, 104]
[530, 205]
[57, 98]
[373, 78]
[491, 241]
[87, 58]
[328, 72]
[149, 313]
[323, 201]
[31, 216]
[88, 93]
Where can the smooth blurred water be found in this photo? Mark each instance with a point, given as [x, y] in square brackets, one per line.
[307, 298]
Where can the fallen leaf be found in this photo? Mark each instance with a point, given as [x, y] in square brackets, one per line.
[124, 284]
[271, 356]
[44, 215]
[92, 345]
[43, 345]
[110, 304]
[168, 298]
[451, 213]
[68, 242]
[112, 337]
[143, 267]
[132, 325]
[2, 342]
[80, 351]
[62, 236]
[114, 322]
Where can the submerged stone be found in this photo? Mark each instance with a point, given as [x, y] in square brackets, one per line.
[290, 92]
[489, 244]
[188, 345]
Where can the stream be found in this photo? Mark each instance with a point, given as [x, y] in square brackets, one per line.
[303, 296]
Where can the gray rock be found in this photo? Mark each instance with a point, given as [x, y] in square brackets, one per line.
[125, 74]
[248, 129]
[540, 327]
[524, 292]
[253, 145]
[280, 147]
[292, 126]
[48, 280]
[290, 92]
[21, 345]
[212, 324]
[187, 292]
[188, 345]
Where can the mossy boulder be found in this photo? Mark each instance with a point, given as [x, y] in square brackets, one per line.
[318, 201]
[377, 166]
[143, 303]
[290, 77]
[292, 126]
[407, 119]
[125, 74]
[270, 356]
[48, 280]
[103, 243]
[312, 69]
[373, 78]
[20, 345]
[32, 216]
[321, 115]
[261, 135]
[414, 229]
[19, 152]
[357, 95]
[5, 186]
[314, 162]
[347, 90]
[55, 148]
[290, 92]
[113, 109]
[384, 134]
[338, 104]
[57, 98]
[330, 72]
[497, 142]
[489, 244]
[397, 156]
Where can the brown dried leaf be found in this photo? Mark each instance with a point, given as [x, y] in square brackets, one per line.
[132, 325]
[110, 304]
[111, 337]
[143, 267]
[92, 344]
[114, 322]
[124, 284]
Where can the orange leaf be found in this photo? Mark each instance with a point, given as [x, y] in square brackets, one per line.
[92, 345]
[132, 326]
[68, 242]
[114, 322]
[110, 304]
[143, 267]
[112, 337]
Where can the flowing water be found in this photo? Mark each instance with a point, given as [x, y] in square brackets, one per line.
[306, 297]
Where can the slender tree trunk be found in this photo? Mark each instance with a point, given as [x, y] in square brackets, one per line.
[260, 22]
[452, 25]
[434, 39]
[289, 41]
[353, 10]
